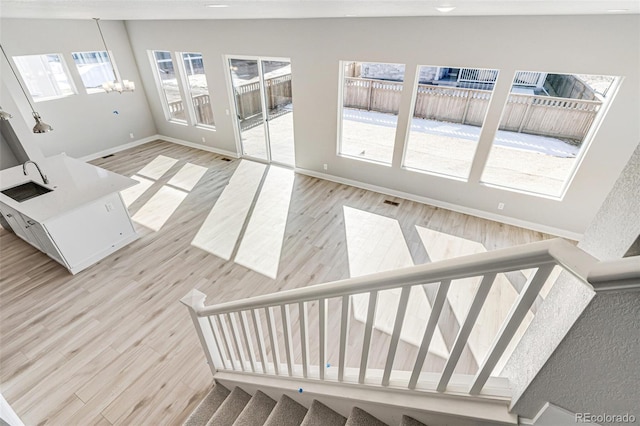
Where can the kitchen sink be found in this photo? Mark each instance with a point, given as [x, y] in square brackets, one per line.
[25, 191]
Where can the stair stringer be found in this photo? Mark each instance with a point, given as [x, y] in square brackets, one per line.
[387, 404]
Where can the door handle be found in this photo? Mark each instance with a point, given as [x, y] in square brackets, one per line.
[9, 215]
[30, 222]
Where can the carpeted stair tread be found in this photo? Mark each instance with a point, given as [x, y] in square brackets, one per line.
[208, 406]
[321, 415]
[360, 417]
[287, 412]
[410, 421]
[230, 409]
[257, 411]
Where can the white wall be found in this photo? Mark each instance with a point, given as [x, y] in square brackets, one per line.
[573, 44]
[83, 124]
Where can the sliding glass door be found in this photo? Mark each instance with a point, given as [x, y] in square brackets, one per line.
[261, 89]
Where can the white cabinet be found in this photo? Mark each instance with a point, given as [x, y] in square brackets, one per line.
[15, 220]
[80, 237]
[89, 233]
[32, 232]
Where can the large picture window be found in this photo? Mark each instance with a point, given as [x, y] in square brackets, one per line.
[450, 105]
[546, 125]
[46, 76]
[169, 89]
[193, 67]
[371, 95]
[94, 69]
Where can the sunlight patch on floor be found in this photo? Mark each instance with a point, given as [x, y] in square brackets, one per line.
[261, 244]
[155, 213]
[130, 195]
[376, 243]
[219, 233]
[187, 177]
[157, 167]
[441, 246]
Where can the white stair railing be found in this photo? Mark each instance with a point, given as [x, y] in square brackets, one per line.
[230, 348]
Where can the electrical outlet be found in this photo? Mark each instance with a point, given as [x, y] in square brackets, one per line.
[131, 135]
[203, 140]
[326, 167]
[109, 206]
[226, 111]
[500, 206]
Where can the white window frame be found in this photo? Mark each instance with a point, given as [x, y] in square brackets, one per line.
[65, 70]
[111, 62]
[586, 143]
[339, 152]
[161, 92]
[414, 99]
[185, 91]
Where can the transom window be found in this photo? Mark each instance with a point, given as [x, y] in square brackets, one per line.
[46, 76]
[95, 69]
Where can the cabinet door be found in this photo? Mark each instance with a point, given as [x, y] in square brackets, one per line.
[18, 225]
[39, 234]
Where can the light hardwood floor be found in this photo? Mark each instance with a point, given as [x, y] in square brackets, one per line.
[112, 345]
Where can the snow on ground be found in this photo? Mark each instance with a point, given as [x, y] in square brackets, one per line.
[523, 141]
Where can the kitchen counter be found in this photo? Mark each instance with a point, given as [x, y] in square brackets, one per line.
[81, 221]
[74, 184]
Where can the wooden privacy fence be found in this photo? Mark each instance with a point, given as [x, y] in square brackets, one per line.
[540, 115]
[201, 105]
[277, 93]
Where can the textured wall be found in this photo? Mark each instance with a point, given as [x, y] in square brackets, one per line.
[617, 223]
[596, 368]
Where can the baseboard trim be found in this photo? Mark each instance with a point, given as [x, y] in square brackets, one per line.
[198, 146]
[442, 204]
[119, 148]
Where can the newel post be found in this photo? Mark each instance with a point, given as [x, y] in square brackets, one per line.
[194, 301]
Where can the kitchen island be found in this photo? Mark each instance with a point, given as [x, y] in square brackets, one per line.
[77, 216]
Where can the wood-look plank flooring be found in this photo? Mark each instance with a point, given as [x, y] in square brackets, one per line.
[112, 344]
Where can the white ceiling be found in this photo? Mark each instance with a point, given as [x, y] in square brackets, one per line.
[265, 9]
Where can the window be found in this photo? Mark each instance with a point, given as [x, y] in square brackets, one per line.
[168, 83]
[198, 88]
[450, 105]
[46, 76]
[546, 124]
[94, 69]
[371, 95]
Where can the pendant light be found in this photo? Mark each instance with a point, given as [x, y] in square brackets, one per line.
[4, 115]
[117, 85]
[41, 126]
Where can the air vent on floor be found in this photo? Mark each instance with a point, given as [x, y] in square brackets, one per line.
[226, 159]
[392, 203]
[107, 156]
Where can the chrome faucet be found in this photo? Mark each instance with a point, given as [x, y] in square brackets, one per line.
[43, 176]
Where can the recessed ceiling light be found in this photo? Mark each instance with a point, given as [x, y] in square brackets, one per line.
[217, 5]
[617, 10]
[445, 9]
[350, 16]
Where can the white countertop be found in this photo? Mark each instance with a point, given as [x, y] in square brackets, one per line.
[74, 184]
